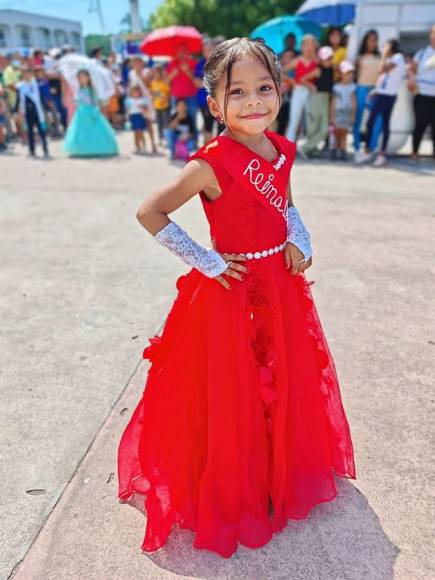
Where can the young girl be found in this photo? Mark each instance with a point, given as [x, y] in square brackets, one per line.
[343, 107]
[89, 134]
[241, 425]
[335, 41]
[161, 92]
[141, 77]
[137, 107]
[367, 69]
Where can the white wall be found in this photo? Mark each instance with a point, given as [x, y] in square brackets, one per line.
[59, 31]
[410, 22]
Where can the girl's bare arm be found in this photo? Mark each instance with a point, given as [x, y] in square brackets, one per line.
[194, 177]
[291, 65]
[153, 215]
[311, 75]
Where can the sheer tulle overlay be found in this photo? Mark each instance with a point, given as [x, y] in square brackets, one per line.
[241, 405]
[241, 425]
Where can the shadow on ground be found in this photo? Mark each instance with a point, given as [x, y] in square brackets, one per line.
[340, 540]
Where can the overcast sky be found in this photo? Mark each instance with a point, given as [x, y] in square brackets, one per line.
[113, 11]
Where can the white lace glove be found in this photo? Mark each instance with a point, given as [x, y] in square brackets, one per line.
[207, 261]
[297, 233]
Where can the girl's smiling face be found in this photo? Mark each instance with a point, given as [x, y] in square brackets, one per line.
[84, 79]
[253, 101]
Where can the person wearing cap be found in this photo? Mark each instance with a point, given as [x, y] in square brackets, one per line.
[392, 71]
[317, 116]
[343, 107]
[422, 84]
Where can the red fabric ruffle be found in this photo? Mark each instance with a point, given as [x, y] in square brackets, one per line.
[241, 424]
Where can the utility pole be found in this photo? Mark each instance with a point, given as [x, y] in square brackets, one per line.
[95, 6]
[136, 26]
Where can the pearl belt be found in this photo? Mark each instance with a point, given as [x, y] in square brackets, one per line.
[264, 253]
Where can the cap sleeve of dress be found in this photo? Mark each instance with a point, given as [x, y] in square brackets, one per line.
[289, 148]
[206, 154]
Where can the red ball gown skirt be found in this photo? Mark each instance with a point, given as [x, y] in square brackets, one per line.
[241, 424]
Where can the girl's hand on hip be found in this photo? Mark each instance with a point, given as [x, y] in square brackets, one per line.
[294, 259]
[234, 270]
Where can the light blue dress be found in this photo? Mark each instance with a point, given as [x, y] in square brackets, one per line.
[89, 133]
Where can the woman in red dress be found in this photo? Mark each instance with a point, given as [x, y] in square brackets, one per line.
[240, 425]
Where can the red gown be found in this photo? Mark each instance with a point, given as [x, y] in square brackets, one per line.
[241, 424]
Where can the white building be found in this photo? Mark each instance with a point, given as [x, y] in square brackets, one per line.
[23, 30]
[408, 21]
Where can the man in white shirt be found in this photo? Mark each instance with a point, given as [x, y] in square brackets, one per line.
[422, 84]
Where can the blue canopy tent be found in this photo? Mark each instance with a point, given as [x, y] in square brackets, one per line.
[274, 31]
[329, 12]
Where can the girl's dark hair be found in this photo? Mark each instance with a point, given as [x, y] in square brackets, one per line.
[84, 71]
[220, 63]
[365, 41]
[394, 45]
[330, 31]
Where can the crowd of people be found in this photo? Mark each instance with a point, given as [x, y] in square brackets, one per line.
[325, 100]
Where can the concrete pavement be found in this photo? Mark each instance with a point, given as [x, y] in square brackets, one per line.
[83, 287]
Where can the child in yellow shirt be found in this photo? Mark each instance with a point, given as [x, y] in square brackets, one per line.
[161, 94]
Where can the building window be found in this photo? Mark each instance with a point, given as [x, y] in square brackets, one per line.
[76, 40]
[44, 38]
[3, 38]
[24, 36]
[60, 37]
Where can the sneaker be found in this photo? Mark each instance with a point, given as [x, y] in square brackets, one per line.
[364, 157]
[342, 155]
[380, 160]
[302, 154]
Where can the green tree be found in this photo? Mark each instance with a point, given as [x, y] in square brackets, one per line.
[98, 40]
[227, 17]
